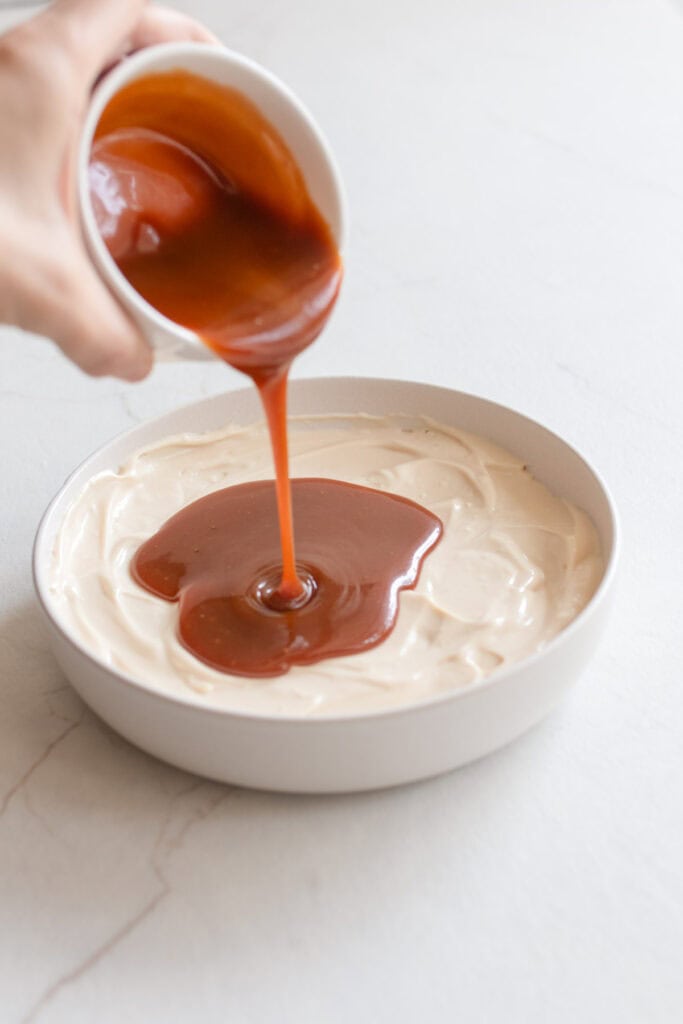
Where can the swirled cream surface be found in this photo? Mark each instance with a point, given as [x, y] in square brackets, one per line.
[515, 565]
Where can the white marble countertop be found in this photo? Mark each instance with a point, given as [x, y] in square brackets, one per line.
[515, 176]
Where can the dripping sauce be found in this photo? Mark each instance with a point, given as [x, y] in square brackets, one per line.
[207, 214]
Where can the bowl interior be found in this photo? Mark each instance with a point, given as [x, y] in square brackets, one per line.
[553, 461]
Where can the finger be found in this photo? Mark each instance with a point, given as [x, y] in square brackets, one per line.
[97, 335]
[158, 24]
[92, 31]
[66, 301]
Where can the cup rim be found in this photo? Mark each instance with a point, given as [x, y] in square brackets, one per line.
[127, 70]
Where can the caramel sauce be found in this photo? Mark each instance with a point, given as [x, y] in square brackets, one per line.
[207, 214]
[220, 559]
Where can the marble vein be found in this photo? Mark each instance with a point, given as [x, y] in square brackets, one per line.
[32, 769]
[660, 189]
[167, 842]
[126, 406]
[608, 396]
[101, 951]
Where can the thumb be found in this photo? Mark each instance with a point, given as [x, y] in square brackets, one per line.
[96, 333]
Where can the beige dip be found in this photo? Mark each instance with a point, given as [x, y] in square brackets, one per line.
[514, 567]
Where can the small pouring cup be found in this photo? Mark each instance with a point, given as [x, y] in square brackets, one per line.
[277, 104]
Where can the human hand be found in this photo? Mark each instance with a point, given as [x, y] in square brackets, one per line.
[48, 66]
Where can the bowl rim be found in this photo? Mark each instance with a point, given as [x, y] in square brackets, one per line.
[40, 562]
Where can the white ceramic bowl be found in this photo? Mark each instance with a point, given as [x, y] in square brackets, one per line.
[275, 101]
[344, 753]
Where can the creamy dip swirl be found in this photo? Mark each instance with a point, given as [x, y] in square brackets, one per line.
[516, 564]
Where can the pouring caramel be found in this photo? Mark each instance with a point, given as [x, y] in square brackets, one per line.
[207, 214]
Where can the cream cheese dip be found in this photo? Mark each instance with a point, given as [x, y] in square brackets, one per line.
[515, 565]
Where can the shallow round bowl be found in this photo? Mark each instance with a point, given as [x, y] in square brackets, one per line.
[346, 752]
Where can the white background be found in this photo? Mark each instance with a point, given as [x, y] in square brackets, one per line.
[515, 178]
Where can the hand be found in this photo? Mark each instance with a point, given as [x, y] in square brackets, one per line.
[48, 66]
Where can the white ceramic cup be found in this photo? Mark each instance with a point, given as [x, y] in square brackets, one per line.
[278, 105]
